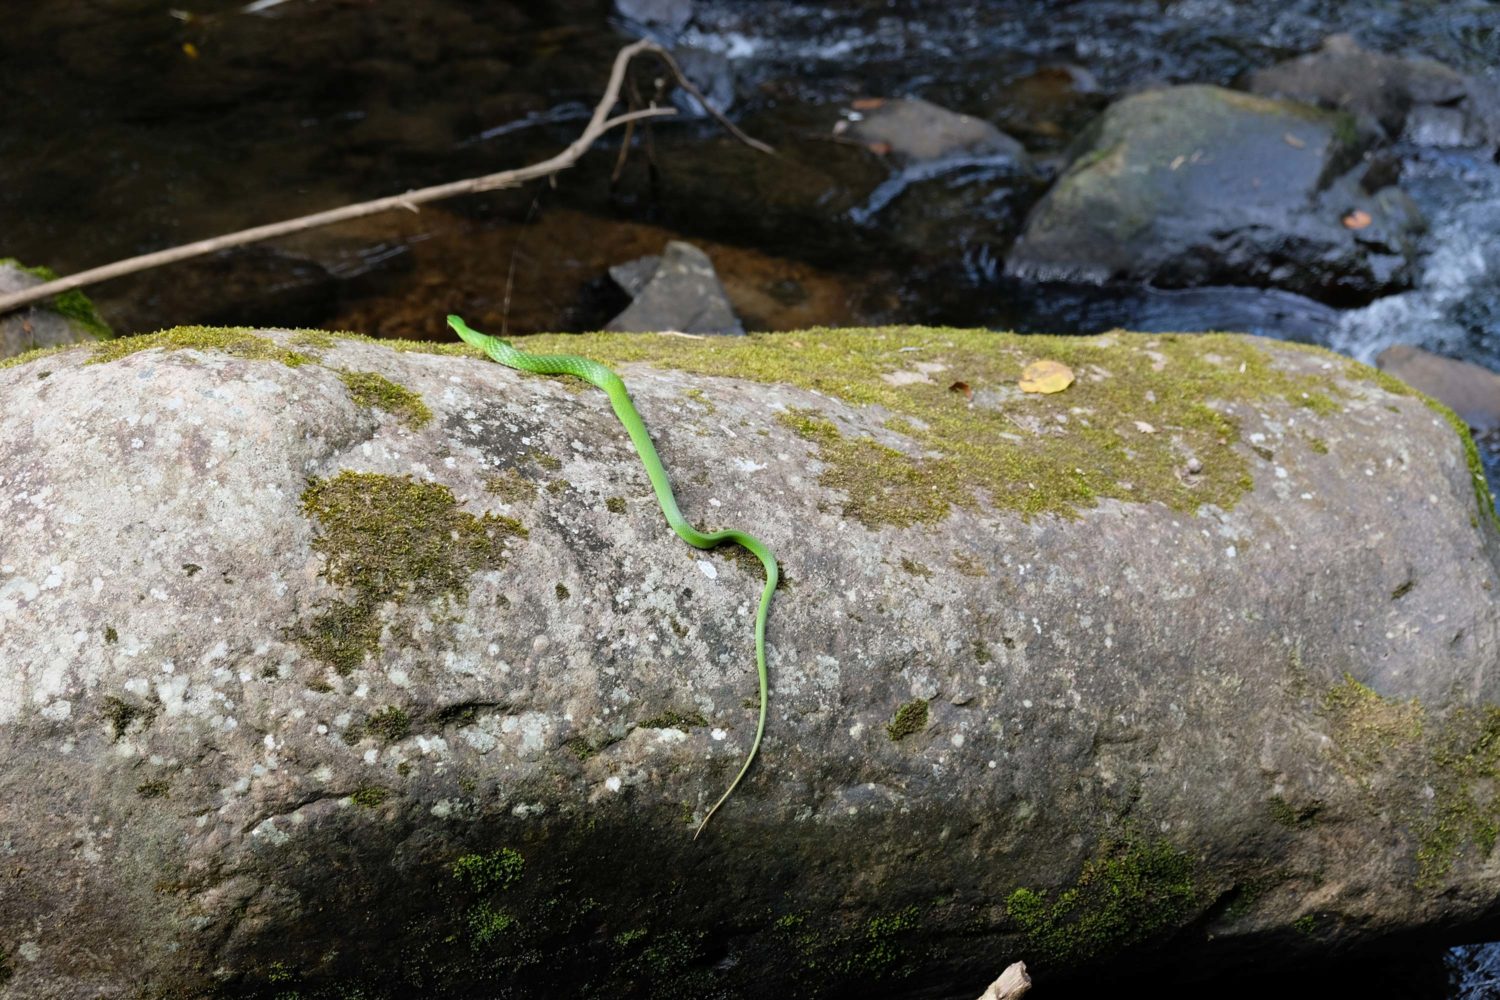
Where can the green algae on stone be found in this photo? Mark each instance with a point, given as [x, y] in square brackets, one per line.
[389, 725]
[1127, 894]
[615, 505]
[370, 796]
[71, 305]
[392, 538]
[235, 340]
[483, 872]
[371, 389]
[121, 714]
[1434, 776]
[509, 485]
[673, 719]
[157, 789]
[25, 357]
[909, 718]
[1031, 453]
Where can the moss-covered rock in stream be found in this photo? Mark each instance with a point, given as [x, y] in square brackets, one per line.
[69, 318]
[1197, 185]
[304, 695]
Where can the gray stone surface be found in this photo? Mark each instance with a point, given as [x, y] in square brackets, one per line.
[1197, 185]
[683, 293]
[919, 131]
[1200, 718]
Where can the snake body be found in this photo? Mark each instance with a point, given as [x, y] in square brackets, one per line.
[597, 374]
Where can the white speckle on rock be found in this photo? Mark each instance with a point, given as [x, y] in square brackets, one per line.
[268, 830]
[442, 809]
[957, 739]
[1280, 472]
[372, 755]
[718, 735]
[398, 677]
[1231, 552]
[670, 735]
[29, 951]
[479, 738]
[708, 569]
[612, 783]
[857, 730]
[525, 810]
[58, 710]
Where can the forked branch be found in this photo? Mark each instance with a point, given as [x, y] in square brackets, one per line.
[599, 123]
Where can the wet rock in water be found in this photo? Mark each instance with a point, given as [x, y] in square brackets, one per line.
[1198, 185]
[335, 669]
[1467, 389]
[1417, 99]
[663, 15]
[712, 73]
[681, 293]
[919, 131]
[69, 318]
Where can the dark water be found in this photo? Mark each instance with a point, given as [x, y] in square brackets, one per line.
[127, 126]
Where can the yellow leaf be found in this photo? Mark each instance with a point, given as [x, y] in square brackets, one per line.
[190, 50]
[1046, 376]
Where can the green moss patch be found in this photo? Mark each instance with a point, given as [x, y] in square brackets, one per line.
[673, 719]
[509, 485]
[237, 341]
[1139, 410]
[158, 789]
[392, 538]
[484, 872]
[909, 718]
[1128, 894]
[371, 389]
[370, 796]
[389, 725]
[71, 305]
[1438, 777]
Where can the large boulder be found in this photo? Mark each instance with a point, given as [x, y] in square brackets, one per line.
[1199, 185]
[1412, 98]
[333, 669]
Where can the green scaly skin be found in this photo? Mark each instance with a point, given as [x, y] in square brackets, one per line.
[596, 374]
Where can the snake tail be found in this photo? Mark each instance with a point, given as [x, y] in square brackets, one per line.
[598, 375]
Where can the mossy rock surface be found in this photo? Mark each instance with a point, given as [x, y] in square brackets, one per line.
[1195, 185]
[310, 688]
[69, 318]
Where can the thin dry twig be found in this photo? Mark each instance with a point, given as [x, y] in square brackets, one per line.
[599, 123]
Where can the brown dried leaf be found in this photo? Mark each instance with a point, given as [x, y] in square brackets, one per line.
[879, 148]
[962, 387]
[1357, 219]
[1046, 377]
[867, 103]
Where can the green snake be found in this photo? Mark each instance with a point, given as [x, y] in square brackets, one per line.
[596, 374]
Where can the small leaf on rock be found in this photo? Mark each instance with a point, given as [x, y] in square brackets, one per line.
[867, 103]
[1357, 219]
[1046, 376]
[1294, 142]
[879, 148]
